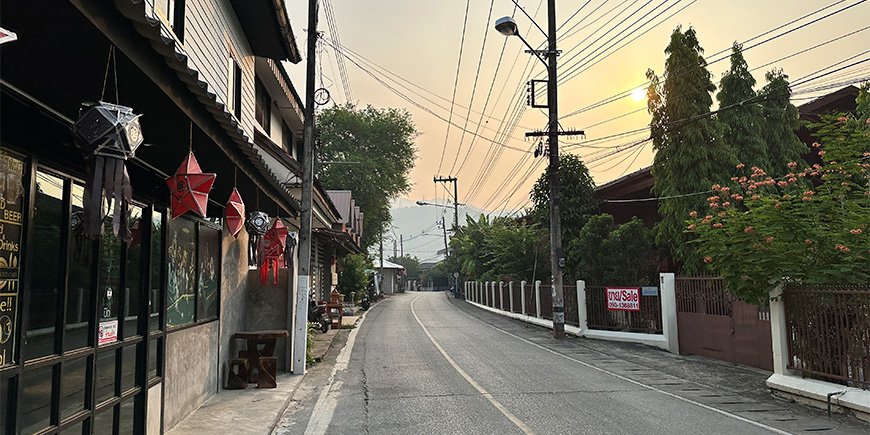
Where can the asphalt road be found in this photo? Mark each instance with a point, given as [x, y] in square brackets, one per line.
[420, 363]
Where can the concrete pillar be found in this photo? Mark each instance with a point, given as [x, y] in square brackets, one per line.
[779, 332]
[582, 315]
[486, 290]
[501, 295]
[523, 296]
[668, 295]
[538, 299]
[511, 294]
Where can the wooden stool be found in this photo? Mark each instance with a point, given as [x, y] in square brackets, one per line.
[268, 371]
[237, 374]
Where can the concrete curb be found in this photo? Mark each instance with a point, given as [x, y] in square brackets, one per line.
[284, 407]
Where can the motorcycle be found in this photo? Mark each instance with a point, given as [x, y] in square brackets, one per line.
[318, 315]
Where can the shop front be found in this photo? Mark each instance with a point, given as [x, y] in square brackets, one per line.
[100, 334]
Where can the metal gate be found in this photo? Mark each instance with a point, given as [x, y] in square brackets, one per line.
[712, 323]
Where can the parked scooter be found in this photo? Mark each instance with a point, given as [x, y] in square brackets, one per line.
[318, 315]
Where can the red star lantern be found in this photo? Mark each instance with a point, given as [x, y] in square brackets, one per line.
[189, 188]
[273, 247]
[235, 213]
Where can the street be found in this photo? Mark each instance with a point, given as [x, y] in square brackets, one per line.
[421, 362]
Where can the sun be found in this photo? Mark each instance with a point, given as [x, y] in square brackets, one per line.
[638, 94]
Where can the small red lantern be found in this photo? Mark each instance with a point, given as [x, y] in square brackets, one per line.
[272, 247]
[235, 213]
[189, 188]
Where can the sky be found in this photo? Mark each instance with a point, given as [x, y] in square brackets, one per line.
[607, 47]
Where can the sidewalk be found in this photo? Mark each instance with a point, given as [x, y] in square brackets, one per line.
[254, 411]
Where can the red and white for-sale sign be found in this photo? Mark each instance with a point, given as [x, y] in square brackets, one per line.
[623, 299]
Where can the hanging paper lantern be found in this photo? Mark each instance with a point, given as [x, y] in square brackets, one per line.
[272, 247]
[235, 213]
[108, 134]
[189, 188]
[257, 225]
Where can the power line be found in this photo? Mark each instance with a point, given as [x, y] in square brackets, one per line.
[455, 83]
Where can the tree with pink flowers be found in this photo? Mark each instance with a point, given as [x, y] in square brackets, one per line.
[811, 225]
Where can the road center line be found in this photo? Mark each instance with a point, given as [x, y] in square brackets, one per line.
[519, 423]
[632, 381]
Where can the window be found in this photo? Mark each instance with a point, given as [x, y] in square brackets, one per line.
[172, 12]
[236, 86]
[193, 272]
[286, 138]
[11, 210]
[264, 104]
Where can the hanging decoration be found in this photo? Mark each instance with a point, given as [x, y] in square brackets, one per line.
[272, 248]
[235, 213]
[108, 134]
[189, 188]
[257, 225]
[288, 249]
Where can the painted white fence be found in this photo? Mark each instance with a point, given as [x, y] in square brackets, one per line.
[489, 296]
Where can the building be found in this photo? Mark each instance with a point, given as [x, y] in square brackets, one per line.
[104, 336]
[391, 274]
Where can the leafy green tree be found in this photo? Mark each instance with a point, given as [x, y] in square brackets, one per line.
[623, 254]
[690, 152]
[440, 276]
[742, 123]
[501, 248]
[781, 122]
[382, 141]
[577, 196]
[411, 265]
[811, 226]
[352, 274]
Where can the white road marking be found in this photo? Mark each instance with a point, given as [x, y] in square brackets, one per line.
[519, 423]
[632, 381]
[327, 401]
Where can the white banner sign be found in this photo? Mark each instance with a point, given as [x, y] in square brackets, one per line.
[623, 299]
[108, 332]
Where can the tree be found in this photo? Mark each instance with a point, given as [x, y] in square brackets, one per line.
[811, 226]
[577, 196]
[352, 274]
[411, 265]
[382, 142]
[781, 122]
[624, 254]
[690, 152]
[501, 248]
[742, 121]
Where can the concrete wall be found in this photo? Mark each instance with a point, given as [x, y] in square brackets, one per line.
[266, 308]
[191, 371]
[234, 296]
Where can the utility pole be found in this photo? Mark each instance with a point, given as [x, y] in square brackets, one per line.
[444, 227]
[300, 330]
[401, 247]
[556, 259]
[395, 250]
[381, 269]
[455, 222]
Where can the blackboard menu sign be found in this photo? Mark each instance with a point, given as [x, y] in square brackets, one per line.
[11, 218]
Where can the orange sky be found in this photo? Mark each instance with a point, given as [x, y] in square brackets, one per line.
[420, 40]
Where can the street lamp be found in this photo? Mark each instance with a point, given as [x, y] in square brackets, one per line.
[421, 203]
[508, 26]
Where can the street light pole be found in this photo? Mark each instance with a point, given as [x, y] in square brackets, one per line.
[556, 260]
[508, 27]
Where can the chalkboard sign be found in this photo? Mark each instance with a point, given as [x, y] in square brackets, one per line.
[11, 170]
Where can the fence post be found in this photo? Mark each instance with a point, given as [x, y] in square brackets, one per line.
[538, 299]
[582, 316]
[779, 332]
[668, 295]
[477, 291]
[511, 294]
[501, 295]
[523, 296]
[486, 290]
[492, 288]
